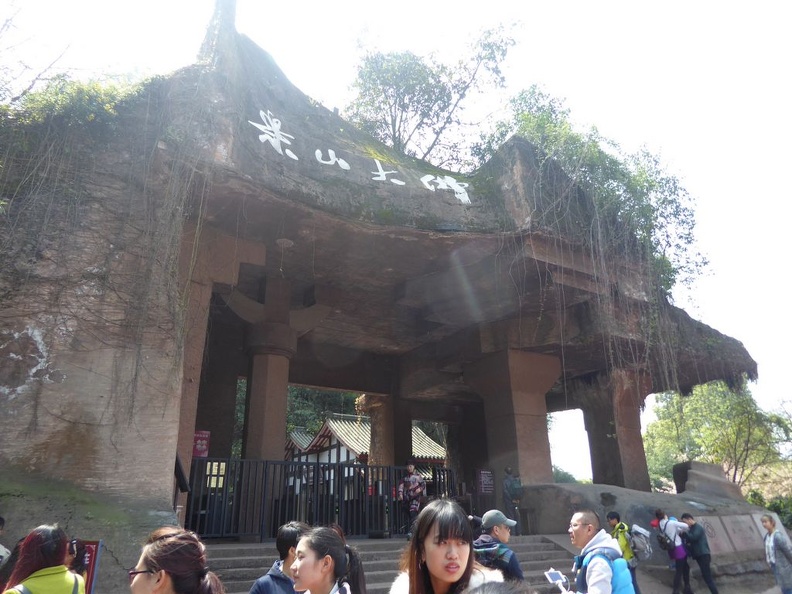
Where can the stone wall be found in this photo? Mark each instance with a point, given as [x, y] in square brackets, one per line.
[90, 362]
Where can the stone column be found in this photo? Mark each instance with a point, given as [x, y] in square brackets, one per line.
[206, 257]
[612, 414]
[379, 409]
[195, 322]
[600, 426]
[513, 385]
[402, 431]
[630, 388]
[271, 346]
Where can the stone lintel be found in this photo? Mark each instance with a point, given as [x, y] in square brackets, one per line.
[337, 368]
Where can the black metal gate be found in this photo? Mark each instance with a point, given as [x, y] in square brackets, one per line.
[237, 498]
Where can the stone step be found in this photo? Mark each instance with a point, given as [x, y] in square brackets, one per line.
[240, 564]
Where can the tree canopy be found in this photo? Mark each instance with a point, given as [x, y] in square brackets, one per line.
[717, 426]
[415, 104]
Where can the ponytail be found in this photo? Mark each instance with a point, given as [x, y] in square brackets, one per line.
[347, 567]
[354, 576]
[211, 584]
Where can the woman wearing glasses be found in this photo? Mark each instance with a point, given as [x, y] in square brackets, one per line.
[173, 561]
[39, 567]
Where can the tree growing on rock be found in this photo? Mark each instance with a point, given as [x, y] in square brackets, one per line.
[415, 104]
[641, 206]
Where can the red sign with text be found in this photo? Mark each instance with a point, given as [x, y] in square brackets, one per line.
[201, 444]
[93, 548]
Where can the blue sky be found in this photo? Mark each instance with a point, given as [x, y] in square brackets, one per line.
[703, 84]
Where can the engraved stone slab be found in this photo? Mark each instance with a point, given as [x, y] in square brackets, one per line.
[743, 532]
[717, 537]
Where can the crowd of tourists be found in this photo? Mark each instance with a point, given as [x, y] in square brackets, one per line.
[449, 552]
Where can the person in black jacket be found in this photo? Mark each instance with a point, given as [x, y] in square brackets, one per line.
[699, 550]
[490, 548]
[278, 580]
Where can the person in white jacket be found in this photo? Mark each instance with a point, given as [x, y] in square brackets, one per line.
[585, 533]
[673, 528]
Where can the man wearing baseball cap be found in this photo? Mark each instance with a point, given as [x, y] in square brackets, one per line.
[490, 548]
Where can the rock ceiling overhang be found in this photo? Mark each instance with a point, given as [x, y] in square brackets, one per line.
[413, 261]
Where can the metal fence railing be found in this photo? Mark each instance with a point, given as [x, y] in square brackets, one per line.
[237, 498]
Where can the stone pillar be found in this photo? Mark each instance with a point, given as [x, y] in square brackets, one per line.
[467, 445]
[612, 414]
[600, 426]
[630, 388]
[513, 385]
[206, 257]
[379, 409]
[271, 346]
[402, 431]
[196, 319]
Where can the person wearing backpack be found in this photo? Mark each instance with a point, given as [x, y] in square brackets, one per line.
[621, 532]
[673, 529]
[600, 568]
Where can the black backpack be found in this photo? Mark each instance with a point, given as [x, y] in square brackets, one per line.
[664, 541]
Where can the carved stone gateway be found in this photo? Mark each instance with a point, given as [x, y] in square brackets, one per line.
[227, 226]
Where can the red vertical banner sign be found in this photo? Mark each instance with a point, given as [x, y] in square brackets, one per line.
[201, 444]
[93, 548]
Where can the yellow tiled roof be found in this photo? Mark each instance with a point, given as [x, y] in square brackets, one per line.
[354, 432]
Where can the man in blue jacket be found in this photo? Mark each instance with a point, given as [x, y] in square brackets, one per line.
[278, 579]
[490, 548]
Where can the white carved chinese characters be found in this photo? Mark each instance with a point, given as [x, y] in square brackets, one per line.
[271, 133]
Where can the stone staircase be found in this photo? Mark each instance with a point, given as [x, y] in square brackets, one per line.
[240, 564]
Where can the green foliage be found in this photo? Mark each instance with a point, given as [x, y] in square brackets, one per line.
[396, 113]
[717, 426]
[240, 413]
[69, 101]
[782, 505]
[562, 476]
[755, 497]
[414, 104]
[434, 430]
[640, 206]
[308, 408]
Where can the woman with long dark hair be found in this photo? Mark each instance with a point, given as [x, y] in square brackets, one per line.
[173, 561]
[39, 567]
[439, 559]
[325, 564]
